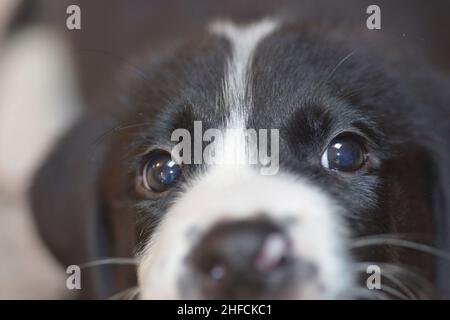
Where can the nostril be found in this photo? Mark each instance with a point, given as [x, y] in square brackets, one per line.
[215, 270]
[273, 254]
[218, 272]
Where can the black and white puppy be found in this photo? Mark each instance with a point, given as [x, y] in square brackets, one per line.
[363, 176]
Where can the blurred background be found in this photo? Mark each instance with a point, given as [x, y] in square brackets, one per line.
[37, 103]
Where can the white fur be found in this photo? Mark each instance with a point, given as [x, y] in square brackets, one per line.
[226, 193]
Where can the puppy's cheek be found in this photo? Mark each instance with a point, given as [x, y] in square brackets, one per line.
[161, 262]
[317, 232]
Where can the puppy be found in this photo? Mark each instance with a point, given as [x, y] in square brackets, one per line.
[362, 180]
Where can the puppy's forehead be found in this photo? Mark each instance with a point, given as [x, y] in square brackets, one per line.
[272, 65]
[244, 41]
[264, 74]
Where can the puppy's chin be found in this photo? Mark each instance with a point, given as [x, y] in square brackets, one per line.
[228, 218]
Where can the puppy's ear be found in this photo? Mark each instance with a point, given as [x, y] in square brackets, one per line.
[67, 208]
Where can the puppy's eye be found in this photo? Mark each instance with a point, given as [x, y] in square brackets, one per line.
[346, 153]
[160, 171]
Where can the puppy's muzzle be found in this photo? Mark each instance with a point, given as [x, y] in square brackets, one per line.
[250, 259]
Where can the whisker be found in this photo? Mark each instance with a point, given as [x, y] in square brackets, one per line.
[339, 64]
[380, 240]
[410, 295]
[386, 274]
[393, 292]
[324, 81]
[360, 292]
[385, 288]
[127, 294]
[116, 129]
[422, 288]
[135, 294]
[107, 261]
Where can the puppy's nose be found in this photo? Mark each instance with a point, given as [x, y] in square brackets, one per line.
[243, 259]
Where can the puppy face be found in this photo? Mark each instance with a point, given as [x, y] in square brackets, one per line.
[350, 165]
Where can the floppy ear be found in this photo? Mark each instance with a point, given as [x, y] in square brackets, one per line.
[67, 208]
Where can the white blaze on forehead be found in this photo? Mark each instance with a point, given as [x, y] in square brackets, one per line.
[243, 40]
[236, 87]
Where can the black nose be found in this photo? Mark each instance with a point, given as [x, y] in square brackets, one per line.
[243, 259]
